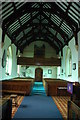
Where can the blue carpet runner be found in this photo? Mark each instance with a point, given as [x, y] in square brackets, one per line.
[38, 106]
[38, 89]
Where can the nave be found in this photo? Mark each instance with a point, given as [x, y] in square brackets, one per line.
[41, 101]
[40, 59]
[38, 96]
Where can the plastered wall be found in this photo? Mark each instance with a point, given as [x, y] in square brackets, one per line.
[74, 53]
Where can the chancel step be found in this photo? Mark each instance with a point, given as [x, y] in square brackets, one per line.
[38, 89]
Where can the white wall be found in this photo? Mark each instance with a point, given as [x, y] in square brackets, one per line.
[79, 54]
[14, 62]
[30, 72]
[0, 52]
[79, 46]
[49, 51]
[74, 52]
[29, 52]
[6, 44]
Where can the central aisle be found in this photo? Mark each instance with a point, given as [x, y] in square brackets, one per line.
[38, 106]
[38, 89]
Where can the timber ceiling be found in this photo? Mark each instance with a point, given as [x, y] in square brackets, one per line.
[52, 22]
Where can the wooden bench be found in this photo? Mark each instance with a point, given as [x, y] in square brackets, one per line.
[16, 87]
[73, 111]
[6, 105]
[52, 86]
[13, 97]
[61, 91]
[15, 92]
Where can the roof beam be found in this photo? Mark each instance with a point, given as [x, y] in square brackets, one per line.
[25, 36]
[76, 38]
[54, 37]
[18, 18]
[30, 33]
[3, 36]
[50, 26]
[3, 32]
[40, 34]
[63, 19]
[24, 26]
[55, 26]
[65, 16]
[54, 9]
[34, 38]
[15, 15]
[20, 12]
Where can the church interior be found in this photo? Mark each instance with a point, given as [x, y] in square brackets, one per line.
[40, 60]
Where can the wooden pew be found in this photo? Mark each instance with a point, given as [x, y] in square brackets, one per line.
[17, 87]
[73, 111]
[55, 87]
[6, 105]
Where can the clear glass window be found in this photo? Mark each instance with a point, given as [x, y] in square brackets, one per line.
[9, 61]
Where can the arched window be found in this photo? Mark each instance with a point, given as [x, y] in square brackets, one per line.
[58, 71]
[68, 62]
[9, 61]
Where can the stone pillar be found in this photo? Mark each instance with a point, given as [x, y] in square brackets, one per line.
[79, 56]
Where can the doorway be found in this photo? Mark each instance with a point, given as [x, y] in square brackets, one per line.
[38, 75]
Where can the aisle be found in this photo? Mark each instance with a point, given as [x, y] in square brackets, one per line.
[38, 89]
[38, 105]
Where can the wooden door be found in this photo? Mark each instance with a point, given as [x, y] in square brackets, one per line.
[38, 74]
